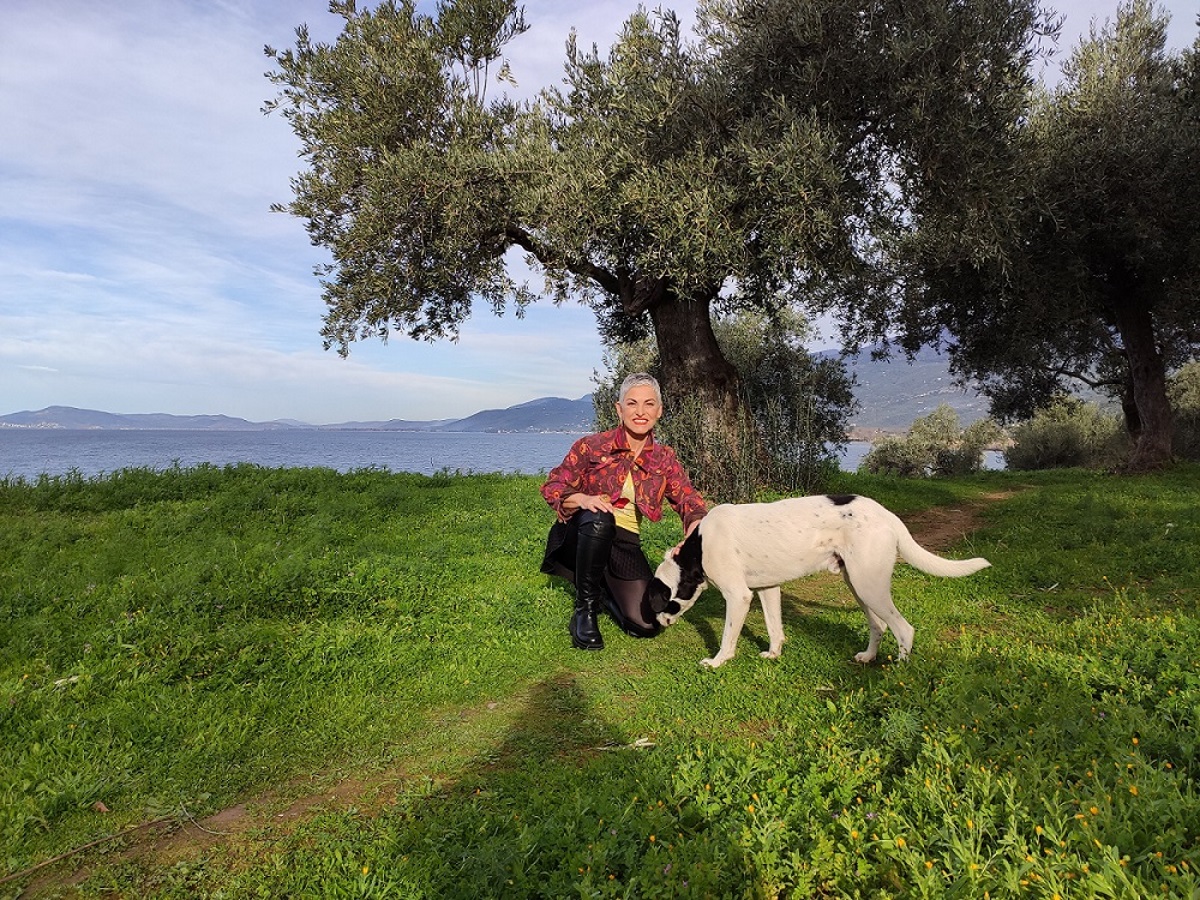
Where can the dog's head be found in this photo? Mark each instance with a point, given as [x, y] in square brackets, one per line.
[678, 581]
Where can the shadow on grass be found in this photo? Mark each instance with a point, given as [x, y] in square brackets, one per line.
[563, 810]
[563, 806]
[557, 725]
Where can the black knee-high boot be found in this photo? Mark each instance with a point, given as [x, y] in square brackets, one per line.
[596, 533]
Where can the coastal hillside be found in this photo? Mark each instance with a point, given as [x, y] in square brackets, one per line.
[895, 393]
[548, 414]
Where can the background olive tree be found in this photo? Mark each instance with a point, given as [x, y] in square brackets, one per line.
[1099, 282]
[1070, 432]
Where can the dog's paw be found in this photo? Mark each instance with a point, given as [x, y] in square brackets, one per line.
[864, 657]
[770, 654]
[711, 663]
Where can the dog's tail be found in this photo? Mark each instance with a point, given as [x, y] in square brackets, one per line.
[916, 555]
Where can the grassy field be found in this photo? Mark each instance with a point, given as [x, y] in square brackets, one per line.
[243, 682]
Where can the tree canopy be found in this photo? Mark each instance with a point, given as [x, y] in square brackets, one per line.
[775, 156]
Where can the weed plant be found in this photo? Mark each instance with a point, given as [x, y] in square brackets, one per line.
[174, 643]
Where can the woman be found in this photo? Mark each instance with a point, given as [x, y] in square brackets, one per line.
[604, 487]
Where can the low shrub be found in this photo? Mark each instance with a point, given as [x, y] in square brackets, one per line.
[1068, 434]
[937, 445]
[1184, 394]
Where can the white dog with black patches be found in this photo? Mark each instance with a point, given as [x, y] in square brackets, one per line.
[742, 548]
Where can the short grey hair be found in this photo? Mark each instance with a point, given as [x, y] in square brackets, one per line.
[638, 378]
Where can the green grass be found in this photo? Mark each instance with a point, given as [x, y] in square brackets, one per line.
[379, 652]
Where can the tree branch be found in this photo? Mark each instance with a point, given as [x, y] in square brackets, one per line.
[1091, 381]
[584, 268]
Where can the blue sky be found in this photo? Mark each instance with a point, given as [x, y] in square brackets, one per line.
[141, 269]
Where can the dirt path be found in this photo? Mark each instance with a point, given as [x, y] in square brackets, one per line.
[941, 527]
[165, 842]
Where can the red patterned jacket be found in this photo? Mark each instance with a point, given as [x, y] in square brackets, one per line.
[598, 464]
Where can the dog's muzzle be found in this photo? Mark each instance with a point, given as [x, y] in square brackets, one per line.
[658, 595]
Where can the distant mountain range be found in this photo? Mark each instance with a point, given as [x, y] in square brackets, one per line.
[892, 394]
[546, 414]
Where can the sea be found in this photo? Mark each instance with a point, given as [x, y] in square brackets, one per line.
[27, 453]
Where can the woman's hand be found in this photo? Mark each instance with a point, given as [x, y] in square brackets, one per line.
[592, 502]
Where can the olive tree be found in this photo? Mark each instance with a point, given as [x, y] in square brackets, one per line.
[1100, 278]
[760, 163]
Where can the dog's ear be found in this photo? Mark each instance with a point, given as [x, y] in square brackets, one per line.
[658, 595]
[691, 568]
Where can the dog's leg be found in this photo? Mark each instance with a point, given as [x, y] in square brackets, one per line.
[902, 630]
[737, 605]
[886, 610]
[872, 588]
[878, 629]
[773, 614]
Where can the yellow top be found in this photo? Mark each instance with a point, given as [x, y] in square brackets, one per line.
[628, 516]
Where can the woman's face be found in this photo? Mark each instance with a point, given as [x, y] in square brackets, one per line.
[639, 410]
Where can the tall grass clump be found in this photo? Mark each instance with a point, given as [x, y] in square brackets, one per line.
[794, 409]
[1066, 434]
[771, 450]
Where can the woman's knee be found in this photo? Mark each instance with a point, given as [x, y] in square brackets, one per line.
[596, 524]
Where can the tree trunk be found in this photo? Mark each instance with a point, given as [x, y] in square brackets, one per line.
[703, 405]
[1133, 419]
[1148, 373]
